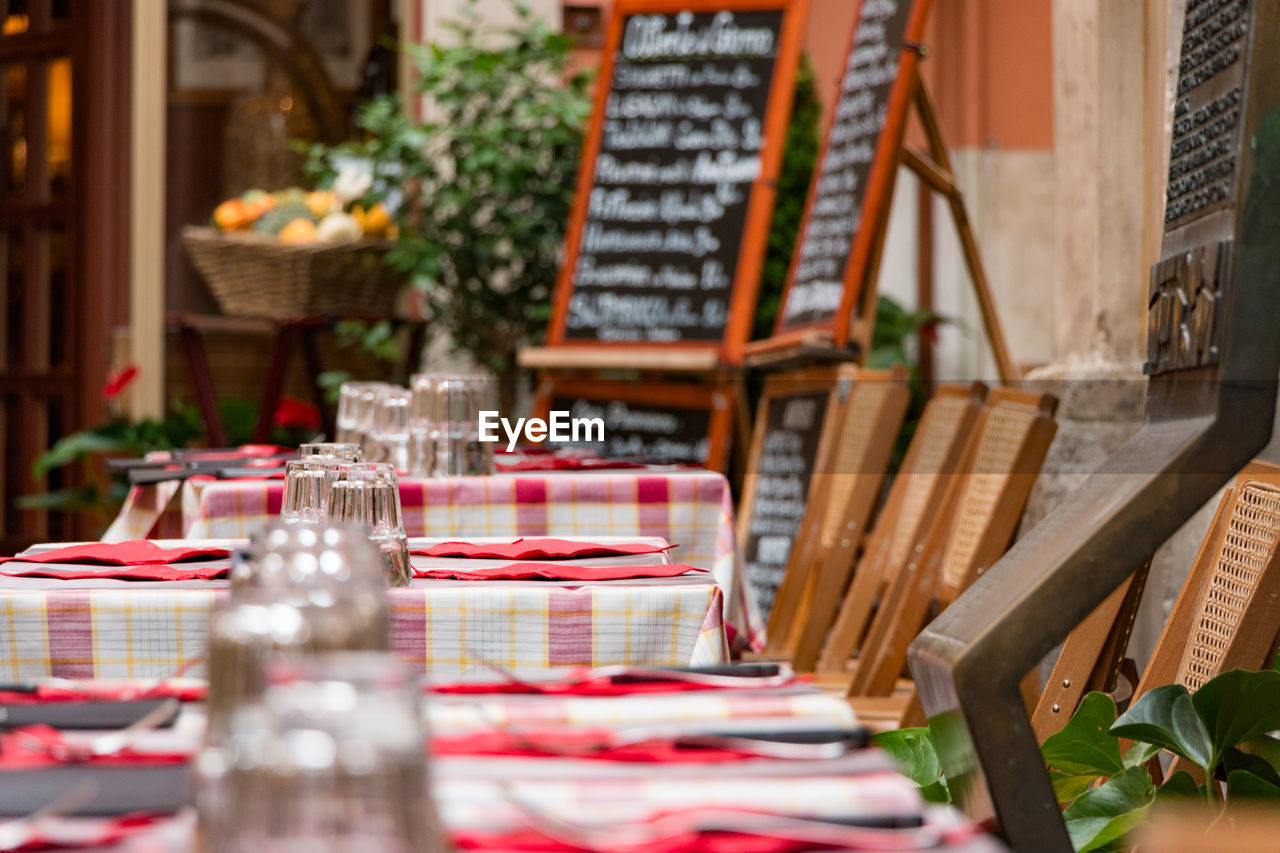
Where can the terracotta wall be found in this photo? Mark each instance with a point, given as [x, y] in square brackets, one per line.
[989, 66]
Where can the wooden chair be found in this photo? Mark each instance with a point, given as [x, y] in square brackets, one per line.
[974, 527]
[1226, 616]
[842, 495]
[935, 451]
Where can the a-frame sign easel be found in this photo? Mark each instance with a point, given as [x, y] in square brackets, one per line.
[849, 333]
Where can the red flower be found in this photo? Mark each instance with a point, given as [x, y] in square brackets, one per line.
[293, 412]
[117, 382]
[929, 331]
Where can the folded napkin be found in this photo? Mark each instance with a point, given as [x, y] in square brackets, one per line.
[718, 830]
[137, 552]
[617, 681]
[83, 833]
[539, 548]
[32, 747]
[600, 744]
[107, 691]
[144, 572]
[561, 463]
[557, 572]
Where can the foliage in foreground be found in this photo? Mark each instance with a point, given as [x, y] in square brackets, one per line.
[1223, 731]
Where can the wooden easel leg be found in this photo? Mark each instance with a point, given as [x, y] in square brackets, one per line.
[940, 176]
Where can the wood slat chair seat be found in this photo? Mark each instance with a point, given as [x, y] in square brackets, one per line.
[973, 528]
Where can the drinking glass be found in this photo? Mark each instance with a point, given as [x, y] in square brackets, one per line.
[342, 451]
[446, 415]
[299, 587]
[368, 495]
[350, 402]
[389, 433]
[306, 487]
[332, 757]
[421, 414]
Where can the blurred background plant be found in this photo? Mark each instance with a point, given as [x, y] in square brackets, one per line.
[101, 493]
[482, 187]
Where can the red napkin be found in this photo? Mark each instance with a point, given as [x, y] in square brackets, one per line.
[680, 831]
[558, 572]
[20, 750]
[138, 552]
[85, 833]
[579, 743]
[592, 682]
[562, 463]
[534, 548]
[146, 572]
[100, 691]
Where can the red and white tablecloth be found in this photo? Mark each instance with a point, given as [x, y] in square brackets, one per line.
[692, 509]
[577, 803]
[149, 629]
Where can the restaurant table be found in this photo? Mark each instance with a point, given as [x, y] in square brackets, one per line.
[550, 801]
[103, 628]
[693, 509]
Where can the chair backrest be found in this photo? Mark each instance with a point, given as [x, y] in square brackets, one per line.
[830, 386]
[917, 490]
[974, 527]
[848, 493]
[1228, 612]
[842, 495]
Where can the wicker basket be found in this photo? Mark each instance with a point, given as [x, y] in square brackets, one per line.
[254, 276]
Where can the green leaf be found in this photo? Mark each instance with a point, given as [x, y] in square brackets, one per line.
[1266, 747]
[1243, 785]
[1084, 745]
[1236, 759]
[1066, 788]
[1107, 813]
[1166, 718]
[1238, 706]
[72, 447]
[1180, 784]
[1140, 753]
[938, 792]
[913, 751]
[69, 500]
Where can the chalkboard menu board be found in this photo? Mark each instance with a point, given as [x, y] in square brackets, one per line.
[671, 422]
[853, 184]
[676, 187]
[791, 425]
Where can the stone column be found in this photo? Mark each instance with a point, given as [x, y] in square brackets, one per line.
[1114, 76]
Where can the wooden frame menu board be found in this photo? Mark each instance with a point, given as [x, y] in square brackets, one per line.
[676, 186]
[679, 423]
[838, 248]
[794, 430]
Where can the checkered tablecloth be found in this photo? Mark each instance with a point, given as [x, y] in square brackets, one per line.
[691, 509]
[480, 796]
[118, 630]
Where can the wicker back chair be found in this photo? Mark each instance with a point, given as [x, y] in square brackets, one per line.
[975, 526]
[857, 442]
[918, 489]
